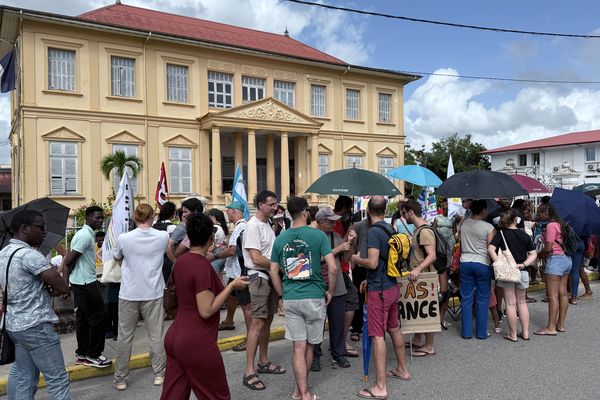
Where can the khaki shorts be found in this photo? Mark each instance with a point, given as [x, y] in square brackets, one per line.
[263, 299]
[305, 320]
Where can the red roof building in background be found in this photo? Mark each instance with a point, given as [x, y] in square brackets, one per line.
[206, 31]
[554, 141]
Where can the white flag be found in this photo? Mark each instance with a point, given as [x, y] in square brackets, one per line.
[122, 213]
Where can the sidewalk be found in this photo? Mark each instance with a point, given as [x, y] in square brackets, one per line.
[140, 357]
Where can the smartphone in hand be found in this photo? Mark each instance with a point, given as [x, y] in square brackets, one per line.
[252, 278]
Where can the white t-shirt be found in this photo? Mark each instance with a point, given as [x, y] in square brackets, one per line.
[260, 236]
[141, 270]
[219, 235]
[232, 266]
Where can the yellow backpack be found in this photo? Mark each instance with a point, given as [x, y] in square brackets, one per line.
[399, 248]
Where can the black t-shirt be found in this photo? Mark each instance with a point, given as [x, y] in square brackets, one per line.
[496, 214]
[519, 243]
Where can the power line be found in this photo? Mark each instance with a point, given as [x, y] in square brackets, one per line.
[492, 78]
[451, 24]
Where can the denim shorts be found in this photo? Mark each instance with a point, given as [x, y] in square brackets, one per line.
[523, 284]
[558, 264]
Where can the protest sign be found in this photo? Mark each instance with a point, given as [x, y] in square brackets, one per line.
[418, 308]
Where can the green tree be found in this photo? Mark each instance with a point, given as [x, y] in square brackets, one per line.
[119, 162]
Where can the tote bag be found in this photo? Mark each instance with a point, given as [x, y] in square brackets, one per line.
[111, 272]
[505, 267]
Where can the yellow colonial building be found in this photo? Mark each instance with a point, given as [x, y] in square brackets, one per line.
[197, 95]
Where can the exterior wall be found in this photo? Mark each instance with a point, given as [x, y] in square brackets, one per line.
[95, 120]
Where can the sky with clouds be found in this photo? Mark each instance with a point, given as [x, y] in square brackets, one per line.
[496, 113]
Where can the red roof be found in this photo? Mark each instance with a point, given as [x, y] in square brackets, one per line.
[554, 141]
[206, 31]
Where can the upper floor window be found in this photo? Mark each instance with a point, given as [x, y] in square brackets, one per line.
[63, 168]
[536, 158]
[386, 164]
[61, 69]
[590, 154]
[323, 164]
[352, 104]
[220, 89]
[354, 161]
[252, 89]
[177, 83]
[522, 160]
[385, 108]
[285, 92]
[180, 170]
[122, 76]
[129, 150]
[317, 103]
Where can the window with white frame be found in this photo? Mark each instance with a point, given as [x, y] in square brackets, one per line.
[220, 89]
[352, 104]
[354, 161]
[536, 158]
[122, 76]
[323, 164]
[590, 154]
[317, 100]
[285, 92]
[177, 83]
[252, 89]
[180, 170]
[129, 150]
[63, 168]
[386, 164]
[61, 69]
[385, 108]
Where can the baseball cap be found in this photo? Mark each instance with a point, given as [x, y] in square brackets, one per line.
[236, 205]
[326, 213]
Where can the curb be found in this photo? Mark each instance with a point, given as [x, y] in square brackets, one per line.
[81, 372]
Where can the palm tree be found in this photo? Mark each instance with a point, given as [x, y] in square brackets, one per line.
[119, 162]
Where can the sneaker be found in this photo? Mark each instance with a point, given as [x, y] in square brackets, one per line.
[120, 385]
[316, 365]
[100, 362]
[159, 380]
[79, 360]
[341, 362]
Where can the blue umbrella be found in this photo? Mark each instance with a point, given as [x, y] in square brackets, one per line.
[366, 342]
[416, 174]
[579, 210]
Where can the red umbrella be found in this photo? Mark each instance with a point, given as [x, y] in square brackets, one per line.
[530, 184]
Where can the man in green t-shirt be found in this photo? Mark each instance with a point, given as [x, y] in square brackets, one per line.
[298, 252]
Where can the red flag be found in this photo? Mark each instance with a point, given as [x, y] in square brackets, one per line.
[161, 196]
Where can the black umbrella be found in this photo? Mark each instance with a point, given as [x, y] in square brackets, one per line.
[55, 216]
[480, 184]
[354, 182]
[591, 189]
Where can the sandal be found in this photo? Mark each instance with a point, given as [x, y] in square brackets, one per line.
[240, 346]
[370, 395]
[226, 326]
[256, 385]
[355, 337]
[270, 368]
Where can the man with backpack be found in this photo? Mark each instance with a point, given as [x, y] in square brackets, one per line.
[233, 269]
[382, 300]
[422, 259]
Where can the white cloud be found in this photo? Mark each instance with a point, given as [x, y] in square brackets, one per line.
[442, 106]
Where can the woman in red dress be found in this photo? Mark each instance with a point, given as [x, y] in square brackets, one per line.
[193, 359]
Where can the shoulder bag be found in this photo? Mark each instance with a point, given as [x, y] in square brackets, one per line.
[7, 347]
[505, 267]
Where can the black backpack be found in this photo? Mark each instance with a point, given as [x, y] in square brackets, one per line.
[167, 263]
[570, 240]
[441, 249]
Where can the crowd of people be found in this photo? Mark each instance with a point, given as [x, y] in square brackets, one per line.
[316, 265]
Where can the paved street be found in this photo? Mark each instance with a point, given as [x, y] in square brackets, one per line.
[563, 367]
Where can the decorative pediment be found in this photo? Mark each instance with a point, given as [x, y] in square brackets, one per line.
[125, 137]
[355, 150]
[268, 109]
[179, 141]
[64, 134]
[386, 151]
[324, 149]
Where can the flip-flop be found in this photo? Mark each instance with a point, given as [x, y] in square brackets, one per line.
[560, 330]
[531, 301]
[520, 335]
[370, 395]
[507, 337]
[541, 333]
[392, 374]
[350, 353]
[422, 353]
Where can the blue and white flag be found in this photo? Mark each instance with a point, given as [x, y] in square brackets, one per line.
[238, 192]
[7, 72]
